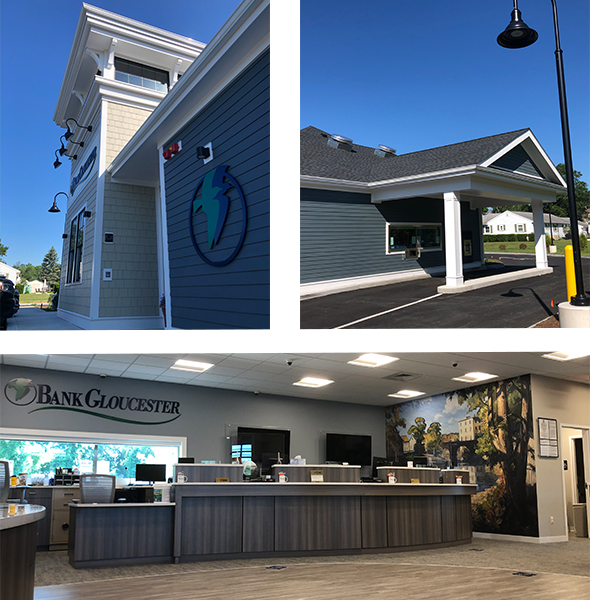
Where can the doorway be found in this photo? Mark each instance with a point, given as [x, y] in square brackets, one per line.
[576, 470]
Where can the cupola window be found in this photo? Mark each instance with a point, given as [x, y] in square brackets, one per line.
[141, 75]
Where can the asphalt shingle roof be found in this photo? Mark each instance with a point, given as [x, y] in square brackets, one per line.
[318, 159]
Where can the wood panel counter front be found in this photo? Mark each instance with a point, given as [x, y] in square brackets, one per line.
[215, 521]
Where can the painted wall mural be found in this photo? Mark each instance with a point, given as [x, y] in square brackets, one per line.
[487, 430]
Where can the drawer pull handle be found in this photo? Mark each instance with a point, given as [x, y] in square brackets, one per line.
[65, 526]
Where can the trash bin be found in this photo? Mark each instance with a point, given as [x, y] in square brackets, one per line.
[580, 520]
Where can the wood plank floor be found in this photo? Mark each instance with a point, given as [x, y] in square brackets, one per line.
[340, 581]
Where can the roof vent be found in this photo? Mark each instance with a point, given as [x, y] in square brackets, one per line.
[339, 141]
[384, 151]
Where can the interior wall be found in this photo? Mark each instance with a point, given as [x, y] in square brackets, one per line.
[203, 413]
[569, 404]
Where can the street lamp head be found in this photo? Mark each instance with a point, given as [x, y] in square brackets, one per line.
[518, 34]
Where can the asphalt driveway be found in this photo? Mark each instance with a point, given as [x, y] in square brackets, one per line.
[417, 304]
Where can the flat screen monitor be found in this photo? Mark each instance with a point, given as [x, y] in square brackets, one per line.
[150, 472]
[420, 461]
[185, 460]
[380, 461]
[352, 449]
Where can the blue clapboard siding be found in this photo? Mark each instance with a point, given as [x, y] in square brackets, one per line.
[343, 234]
[237, 123]
[519, 161]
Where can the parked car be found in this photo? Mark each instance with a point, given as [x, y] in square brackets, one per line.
[9, 301]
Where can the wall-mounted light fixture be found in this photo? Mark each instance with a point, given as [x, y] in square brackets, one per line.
[63, 149]
[54, 208]
[69, 133]
[64, 236]
[57, 162]
[205, 153]
[87, 214]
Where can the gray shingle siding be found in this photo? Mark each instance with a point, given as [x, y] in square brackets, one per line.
[237, 123]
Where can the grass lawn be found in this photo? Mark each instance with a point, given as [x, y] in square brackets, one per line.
[530, 247]
[35, 298]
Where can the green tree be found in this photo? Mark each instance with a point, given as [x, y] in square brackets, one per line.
[434, 438]
[3, 249]
[418, 431]
[395, 444]
[581, 192]
[28, 272]
[50, 268]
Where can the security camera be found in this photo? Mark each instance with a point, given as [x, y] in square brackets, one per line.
[455, 365]
[290, 362]
[256, 392]
[103, 376]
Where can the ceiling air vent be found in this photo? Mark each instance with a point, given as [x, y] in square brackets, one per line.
[384, 151]
[340, 142]
[402, 376]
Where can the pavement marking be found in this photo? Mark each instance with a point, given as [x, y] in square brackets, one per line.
[387, 311]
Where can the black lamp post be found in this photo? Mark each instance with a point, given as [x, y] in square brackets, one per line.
[519, 35]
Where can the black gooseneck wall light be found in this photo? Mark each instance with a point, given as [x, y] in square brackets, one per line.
[519, 35]
[63, 149]
[54, 208]
[69, 133]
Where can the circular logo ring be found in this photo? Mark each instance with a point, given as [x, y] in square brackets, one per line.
[220, 263]
[26, 384]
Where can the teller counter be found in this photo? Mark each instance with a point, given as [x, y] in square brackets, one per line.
[18, 545]
[226, 520]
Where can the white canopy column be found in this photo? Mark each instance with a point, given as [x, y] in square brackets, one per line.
[539, 228]
[453, 245]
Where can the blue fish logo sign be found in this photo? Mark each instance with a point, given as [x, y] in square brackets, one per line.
[217, 217]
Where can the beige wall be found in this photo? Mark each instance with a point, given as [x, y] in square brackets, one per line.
[122, 123]
[569, 404]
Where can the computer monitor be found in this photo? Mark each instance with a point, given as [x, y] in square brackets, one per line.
[420, 461]
[185, 460]
[353, 449]
[150, 473]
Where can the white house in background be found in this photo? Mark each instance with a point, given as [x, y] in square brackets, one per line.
[9, 272]
[37, 286]
[511, 221]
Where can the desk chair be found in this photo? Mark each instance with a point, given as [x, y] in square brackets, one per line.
[97, 488]
[4, 480]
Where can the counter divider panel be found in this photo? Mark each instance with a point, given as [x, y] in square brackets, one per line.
[414, 521]
[374, 521]
[259, 524]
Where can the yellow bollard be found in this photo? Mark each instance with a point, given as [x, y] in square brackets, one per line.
[570, 275]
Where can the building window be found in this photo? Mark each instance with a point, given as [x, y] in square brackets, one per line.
[520, 228]
[487, 229]
[501, 227]
[74, 273]
[402, 236]
[141, 75]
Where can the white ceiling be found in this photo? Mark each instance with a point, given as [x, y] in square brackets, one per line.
[270, 373]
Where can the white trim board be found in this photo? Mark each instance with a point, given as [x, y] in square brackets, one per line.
[520, 538]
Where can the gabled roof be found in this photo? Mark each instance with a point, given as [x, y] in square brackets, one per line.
[361, 164]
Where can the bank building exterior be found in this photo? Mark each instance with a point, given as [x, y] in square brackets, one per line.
[167, 222]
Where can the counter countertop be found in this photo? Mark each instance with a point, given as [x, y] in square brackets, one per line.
[282, 466]
[423, 468]
[23, 514]
[120, 504]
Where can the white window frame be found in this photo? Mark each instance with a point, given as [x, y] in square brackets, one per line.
[520, 228]
[71, 262]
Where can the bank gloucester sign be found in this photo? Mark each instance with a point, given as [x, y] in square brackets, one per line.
[36, 397]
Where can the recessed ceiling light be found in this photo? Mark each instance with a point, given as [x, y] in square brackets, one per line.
[406, 394]
[563, 356]
[474, 377]
[191, 365]
[372, 360]
[313, 382]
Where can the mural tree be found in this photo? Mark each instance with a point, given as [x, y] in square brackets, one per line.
[506, 442]
[419, 432]
[434, 438]
[395, 444]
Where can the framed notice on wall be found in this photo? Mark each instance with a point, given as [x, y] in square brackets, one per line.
[548, 442]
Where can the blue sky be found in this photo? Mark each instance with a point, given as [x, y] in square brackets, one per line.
[35, 42]
[424, 73]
